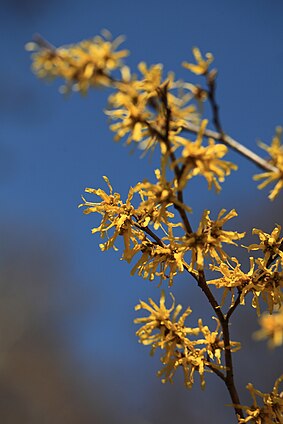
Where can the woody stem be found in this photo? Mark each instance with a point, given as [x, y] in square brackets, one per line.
[224, 321]
[177, 170]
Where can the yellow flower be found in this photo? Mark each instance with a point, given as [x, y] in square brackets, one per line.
[270, 412]
[201, 68]
[271, 328]
[262, 281]
[159, 328]
[213, 341]
[132, 113]
[152, 78]
[164, 261]
[203, 160]
[185, 347]
[156, 88]
[276, 159]
[208, 239]
[267, 283]
[164, 258]
[82, 65]
[115, 214]
[270, 244]
[139, 107]
[157, 198]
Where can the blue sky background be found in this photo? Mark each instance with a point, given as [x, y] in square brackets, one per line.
[55, 280]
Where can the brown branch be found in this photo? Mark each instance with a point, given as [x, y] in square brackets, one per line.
[210, 80]
[233, 307]
[183, 213]
[208, 293]
[43, 43]
[149, 232]
[178, 172]
[215, 370]
[224, 321]
[229, 379]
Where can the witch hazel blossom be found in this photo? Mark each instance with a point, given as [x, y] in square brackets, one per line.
[271, 328]
[193, 349]
[276, 159]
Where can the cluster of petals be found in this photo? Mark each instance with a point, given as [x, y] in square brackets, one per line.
[207, 241]
[198, 159]
[140, 107]
[164, 260]
[276, 159]
[115, 214]
[209, 238]
[201, 66]
[271, 409]
[270, 244]
[271, 328]
[193, 349]
[264, 279]
[148, 110]
[82, 65]
[162, 257]
[162, 193]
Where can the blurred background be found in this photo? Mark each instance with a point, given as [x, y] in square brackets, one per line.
[68, 350]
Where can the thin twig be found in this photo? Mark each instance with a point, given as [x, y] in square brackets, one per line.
[177, 170]
[229, 378]
[43, 43]
[233, 307]
[215, 370]
[208, 293]
[149, 232]
[233, 144]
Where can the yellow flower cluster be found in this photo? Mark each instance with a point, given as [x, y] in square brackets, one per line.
[202, 65]
[271, 329]
[264, 279]
[270, 244]
[276, 159]
[196, 349]
[141, 107]
[164, 256]
[163, 193]
[162, 260]
[208, 239]
[203, 160]
[115, 214]
[147, 110]
[82, 65]
[271, 412]
[158, 257]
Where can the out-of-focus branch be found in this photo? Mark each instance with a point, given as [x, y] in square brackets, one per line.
[233, 144]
